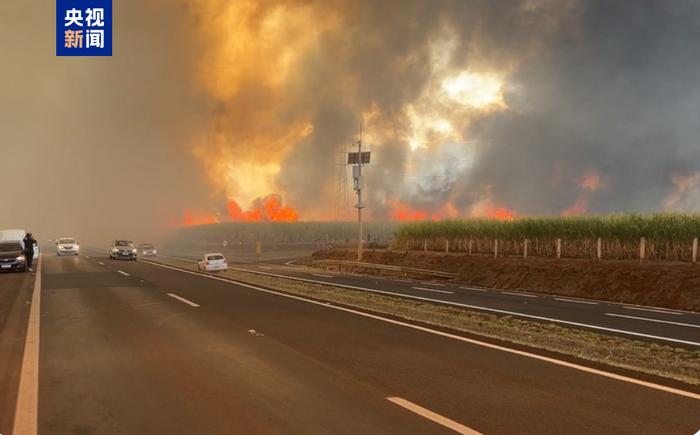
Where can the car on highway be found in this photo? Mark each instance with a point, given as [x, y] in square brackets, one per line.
[67, 246]
[148, 250]
[213, 262]
[17, 235]
[12, 256]
[123, 249]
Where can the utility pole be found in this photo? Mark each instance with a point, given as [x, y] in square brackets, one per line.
[359, 205]
[357, 160]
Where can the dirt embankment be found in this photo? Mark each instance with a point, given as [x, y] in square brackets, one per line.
[671, 285]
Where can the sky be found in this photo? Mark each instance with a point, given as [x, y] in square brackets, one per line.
[213, 110]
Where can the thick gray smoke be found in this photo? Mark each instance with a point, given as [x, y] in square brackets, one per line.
[598, 112]
[602, 103]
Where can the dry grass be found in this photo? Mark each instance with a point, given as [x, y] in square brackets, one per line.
[661, 360]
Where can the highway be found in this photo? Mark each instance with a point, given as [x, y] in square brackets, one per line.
[136, 348]
[673, 327]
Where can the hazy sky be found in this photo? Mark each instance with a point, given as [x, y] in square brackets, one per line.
[469, 108]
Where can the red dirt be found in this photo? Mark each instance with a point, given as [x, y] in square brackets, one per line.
[670, 285]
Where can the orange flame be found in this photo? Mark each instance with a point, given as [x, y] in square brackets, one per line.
[579, 207]
[191, 220]
[590, 182]
[501, 214]
[267, 209]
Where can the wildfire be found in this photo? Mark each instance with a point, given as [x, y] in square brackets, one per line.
[268, 209]
[404, 212]
[591, 182]
[193, 219]
[579, 207]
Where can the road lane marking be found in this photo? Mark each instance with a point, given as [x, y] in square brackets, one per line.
[181, 299]
[523, 353]
[265, 267]
[433, 290]
[526, 295]
[430, 415]
[576, 301]
[26, 410]
[653, 320]
[87, 257]
[123, 273]
[452, 303]
[474, 288]
[100, 263]
[653, 310]
[322, 275]
[433, 283]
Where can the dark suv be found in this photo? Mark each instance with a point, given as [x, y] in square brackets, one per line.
[12, 257]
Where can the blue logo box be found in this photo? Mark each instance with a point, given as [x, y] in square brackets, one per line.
[83, 27]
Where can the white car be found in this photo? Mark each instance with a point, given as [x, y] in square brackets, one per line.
[212, 263]
[17, 235]
[67, 247]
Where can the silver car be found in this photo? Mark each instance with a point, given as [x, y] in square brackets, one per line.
[123, 249]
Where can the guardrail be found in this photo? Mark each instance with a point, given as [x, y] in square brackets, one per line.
[403, 271]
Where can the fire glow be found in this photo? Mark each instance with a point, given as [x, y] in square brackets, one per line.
[267, 209]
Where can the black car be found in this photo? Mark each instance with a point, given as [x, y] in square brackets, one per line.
[12, 257]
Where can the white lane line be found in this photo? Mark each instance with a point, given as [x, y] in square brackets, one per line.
[432, 290]
[430, 415]
[26, 411]
[653, 310]
[181, 299]
[523, 353]
[123, 273]
[576, 301]
[265, 267]
[456, 304]
[474, 288]
[433, 283]
[690, 325]
[100, 263]
[525, 295]
[322, 275]
[87, 257]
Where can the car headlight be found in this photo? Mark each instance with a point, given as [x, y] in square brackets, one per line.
[133, 251]
[20, 258]
[115, 250]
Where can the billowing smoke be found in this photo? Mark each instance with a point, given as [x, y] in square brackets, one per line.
[469, 107]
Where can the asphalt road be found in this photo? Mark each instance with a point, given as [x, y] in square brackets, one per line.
[678, 328]
[15, 293]
[130, 348]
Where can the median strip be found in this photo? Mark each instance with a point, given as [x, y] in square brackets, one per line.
[647, 357]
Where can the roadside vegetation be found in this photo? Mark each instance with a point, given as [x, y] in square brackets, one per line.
[665, 236]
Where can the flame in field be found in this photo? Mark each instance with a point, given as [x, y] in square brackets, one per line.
[579, 207]
[268, 209]
[192, 219]
[591, 182]
[685, 194]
